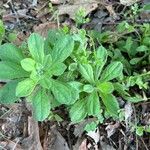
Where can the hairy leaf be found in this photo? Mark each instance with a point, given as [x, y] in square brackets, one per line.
[78, 111]
[62, 49]
[10, 70]
[36, 47]
[64, 93]
[25, 87]
[2, 31]
[86, 71]
[41, 105]
[93, 104]
[101, 58]
[9, 52]
[7, 92]
[111, 104]
[28, 64]
[106, 87]
[112, 71]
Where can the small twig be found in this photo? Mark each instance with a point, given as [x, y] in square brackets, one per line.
[14, 148]
[144, 144]
[68, 136]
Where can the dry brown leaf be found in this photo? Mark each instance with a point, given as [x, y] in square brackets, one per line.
[128, 113]
[33, 141]
[21, 36]
[5, 145]
[59, 143]
[42, 29]
[128, 2]
[95, 135]
[88, 5]
[105, 146]
[83, 145]
[57, 1]
[111, 11]
[111, 129]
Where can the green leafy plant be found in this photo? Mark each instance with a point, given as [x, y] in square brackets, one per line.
[97, 87]
[34, 74]
[73, 68]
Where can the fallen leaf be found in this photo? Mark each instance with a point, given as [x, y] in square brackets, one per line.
[87, 5]
[83, 145]
[128, 113]
[105, 146]
[79, 128]
[128, 2]
[59, 143]
[42, 29]
[32, 142]
[111, 11]
[95, 135]
[111, 129]
[57, 1]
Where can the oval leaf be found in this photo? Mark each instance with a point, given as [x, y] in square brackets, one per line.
[78, 111]
[7, 93]
[112, 71]
[41, 105]
[62, 49]
[111, 104]
[28, 64]
[86, 71]
[9, 52]
[25, 87]
[106, 87]
[36, 47]
[93, 104]
[11, 70]
[101, 58]
[64, 93]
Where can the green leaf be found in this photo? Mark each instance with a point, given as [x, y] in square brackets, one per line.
[112, 71]
[106, 87]
[146, 7]
[72, 66]
[134, 61]
[86, 71]
[2, 31]
[12, 37]
[78, 111]
[90, 126]
[36, 47]
[46, 83]
[134, 99]
[62, 49]
[93, 104]
[88, 88]
[58, 69]
[28, 64]
[140, 130]
[111, 104]
[142, 48]
[25, 87]
[64, 93]
[7, 92]
[41, 105]
[11, 70]
[101, 58]
[76, 85]
[9, 52]
[121, 89]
